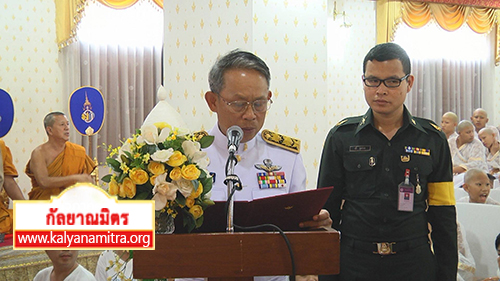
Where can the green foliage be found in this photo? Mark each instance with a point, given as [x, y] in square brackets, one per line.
[114, 164]
[206, 141]
[106, 178]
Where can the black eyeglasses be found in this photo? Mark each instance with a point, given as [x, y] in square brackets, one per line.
[389, 82]
[241, 106]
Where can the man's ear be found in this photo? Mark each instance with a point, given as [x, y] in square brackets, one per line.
[211, 99]
[465, 187]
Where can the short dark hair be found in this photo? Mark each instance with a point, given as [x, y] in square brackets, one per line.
[50, 118]
[235, 59]
[388, 51]
[497, 241]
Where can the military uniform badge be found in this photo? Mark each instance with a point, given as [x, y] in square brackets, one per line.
[270, 178]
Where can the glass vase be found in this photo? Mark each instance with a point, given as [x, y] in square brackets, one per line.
[164, 223]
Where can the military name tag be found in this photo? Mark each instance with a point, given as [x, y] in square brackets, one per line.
[360, 148]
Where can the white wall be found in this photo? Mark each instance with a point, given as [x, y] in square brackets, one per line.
[30, 73]
[313, 84]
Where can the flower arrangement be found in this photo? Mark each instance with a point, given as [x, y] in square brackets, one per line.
[165, 164]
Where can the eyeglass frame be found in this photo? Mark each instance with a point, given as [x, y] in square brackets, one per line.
[383, 81]
[269, 102]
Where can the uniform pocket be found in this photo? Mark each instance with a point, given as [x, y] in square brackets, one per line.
[361, 175]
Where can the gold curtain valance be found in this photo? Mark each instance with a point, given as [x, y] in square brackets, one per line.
[450, 17]
[69, 13]
[123, 4]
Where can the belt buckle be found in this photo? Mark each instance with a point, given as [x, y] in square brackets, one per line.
[384, 248]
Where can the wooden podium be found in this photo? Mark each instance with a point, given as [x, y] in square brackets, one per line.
[240, 255]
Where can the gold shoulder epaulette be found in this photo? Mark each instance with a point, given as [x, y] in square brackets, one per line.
[200, 134]
[435, 126]
[341, 122]
[286, 142]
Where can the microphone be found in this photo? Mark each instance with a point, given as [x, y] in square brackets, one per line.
[234, 135]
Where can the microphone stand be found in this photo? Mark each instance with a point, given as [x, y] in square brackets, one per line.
[231, 162]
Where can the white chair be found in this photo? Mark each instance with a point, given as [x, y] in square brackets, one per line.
[482, 225]
[495, 194]
[460, 192]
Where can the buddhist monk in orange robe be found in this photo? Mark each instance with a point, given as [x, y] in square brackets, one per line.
[10, 172]
[57, 163]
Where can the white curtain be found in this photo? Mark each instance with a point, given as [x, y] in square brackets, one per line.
[443, 85]
[128, 78]
[127, 75]
[451, 70]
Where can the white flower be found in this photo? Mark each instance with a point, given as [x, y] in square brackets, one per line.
[182, 132]
[163, 192]
[126, 147]
[165, 132]
[185, 187]
[203, 163]
[195, 155]
[139, 140]
[190, 148]
[150, 133]
[162, 155]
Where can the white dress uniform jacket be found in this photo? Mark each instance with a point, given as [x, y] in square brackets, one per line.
[255, 151]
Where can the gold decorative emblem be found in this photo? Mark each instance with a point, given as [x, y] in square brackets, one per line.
[362, 121]
[87, 115]
[384, 248]
[418, 189]
[288, 143]
[405, 158]
[200, 134]
[372, 161]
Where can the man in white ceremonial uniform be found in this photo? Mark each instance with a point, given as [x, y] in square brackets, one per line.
[467, 152]
[253, 155]
[239, 95]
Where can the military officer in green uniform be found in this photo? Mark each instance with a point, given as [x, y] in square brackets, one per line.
[392, 177]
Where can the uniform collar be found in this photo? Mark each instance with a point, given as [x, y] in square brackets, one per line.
[221, 140]
[408, 119]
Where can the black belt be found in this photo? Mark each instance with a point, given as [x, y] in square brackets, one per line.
[384, 248]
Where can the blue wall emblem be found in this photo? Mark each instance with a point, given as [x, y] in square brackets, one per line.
[86, 108]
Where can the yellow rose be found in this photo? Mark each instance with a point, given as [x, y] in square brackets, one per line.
[152, 179]
[190, 172]
[113, 187]
[197, 193]
[176, 159]
[128, 187]
[138, 176]
[175, 174]
[189, 202]
[121, 190]
[196, 211]
[156, 168]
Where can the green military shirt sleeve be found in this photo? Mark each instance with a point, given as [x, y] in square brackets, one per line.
[441, 213]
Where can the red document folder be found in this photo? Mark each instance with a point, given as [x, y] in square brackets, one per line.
[285, 211]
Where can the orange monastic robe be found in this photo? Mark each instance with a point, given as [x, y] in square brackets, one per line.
[73, 160]
[8, 166]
